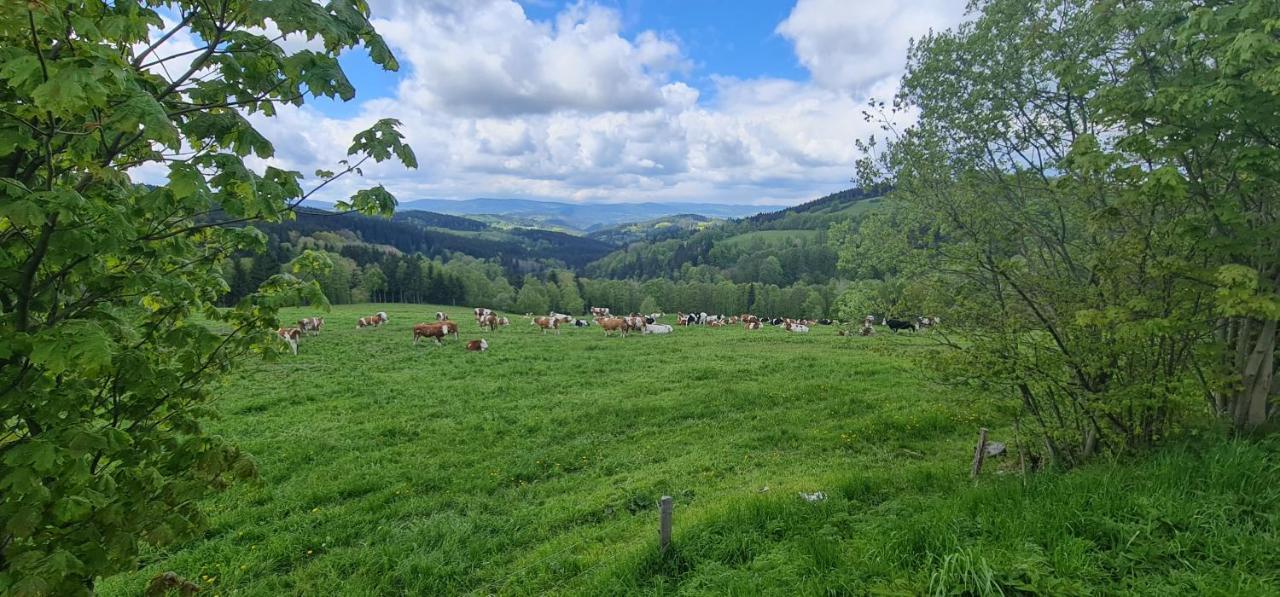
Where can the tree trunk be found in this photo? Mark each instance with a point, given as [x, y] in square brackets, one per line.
[1257, 377]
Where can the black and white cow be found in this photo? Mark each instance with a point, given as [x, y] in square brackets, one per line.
[898, 325]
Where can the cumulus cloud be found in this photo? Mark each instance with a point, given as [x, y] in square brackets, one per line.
[573, 108]
[857, 44]
[487, 58]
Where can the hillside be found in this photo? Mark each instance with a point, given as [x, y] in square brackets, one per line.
[434, 234]
[654, 230]
[584, 217]
[781, 247]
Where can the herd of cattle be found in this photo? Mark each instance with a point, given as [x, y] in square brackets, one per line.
[600, 317]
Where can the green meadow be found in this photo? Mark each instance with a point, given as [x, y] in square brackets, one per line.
[536, 468]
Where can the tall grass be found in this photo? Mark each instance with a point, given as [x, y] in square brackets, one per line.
[535, 468]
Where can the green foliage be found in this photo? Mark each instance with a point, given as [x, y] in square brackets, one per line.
[110, 333]
[1080, 215]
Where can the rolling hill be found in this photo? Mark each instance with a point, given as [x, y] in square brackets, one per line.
[780, 247]
[584, 217]
[435, 234]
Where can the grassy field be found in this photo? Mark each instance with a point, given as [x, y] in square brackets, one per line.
[536, 468]
[773, 238]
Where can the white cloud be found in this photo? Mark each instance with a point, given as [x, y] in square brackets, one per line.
[856, 44]
[497, 104]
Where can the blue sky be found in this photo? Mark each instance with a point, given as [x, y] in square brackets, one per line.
[603, 101]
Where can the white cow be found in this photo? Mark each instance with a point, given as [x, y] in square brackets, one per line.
[658, 328]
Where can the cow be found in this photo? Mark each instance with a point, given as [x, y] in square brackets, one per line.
[561, 317]
[926, 322]
[776, 321]
[825, 322]
[752, 325]
[547, 323]
[441, 316]
[481, 312]
[478, 345]
[311, 325]
[435, 331]
[658, 328]
[798, 328]
[715, 323]
[635, 322]
[375, 320]
[898, 325]
[748, 318]
[600, 311]
[290, 337]
[489, 321]
[613, 324]
[503, 322]
[450, 327]
[581, 323]
[655, 315]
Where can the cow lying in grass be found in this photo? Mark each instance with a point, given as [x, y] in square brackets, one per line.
[375, 320]
[478, 345]
[290, 337]
[798, 328]
[658, 328]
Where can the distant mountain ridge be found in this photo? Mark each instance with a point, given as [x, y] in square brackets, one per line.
[585, 217]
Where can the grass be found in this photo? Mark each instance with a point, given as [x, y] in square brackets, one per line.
[773, 238]
[536, 468]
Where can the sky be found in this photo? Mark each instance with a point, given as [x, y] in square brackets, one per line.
[722, 101]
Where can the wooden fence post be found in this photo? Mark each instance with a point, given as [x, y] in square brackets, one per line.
[979, 454]
[664, 524]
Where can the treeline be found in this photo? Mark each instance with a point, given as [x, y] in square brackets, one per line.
[370, 273]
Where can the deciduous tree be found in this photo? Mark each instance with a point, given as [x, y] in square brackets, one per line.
[109, 328]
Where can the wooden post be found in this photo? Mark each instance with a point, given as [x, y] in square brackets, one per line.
[979, 454]
[664, 524]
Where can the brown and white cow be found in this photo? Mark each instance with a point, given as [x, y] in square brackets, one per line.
[375, 320]
[868, 326]
[290, 337]
[600, 311]
[481, 312]
[450, 327]
[435, 331]
[752, 325]
[547, 323]
[503, 322]
[489, 321]
[441, 316]
[311, 325]
[478, 345]
[614, 324]
[635, 321]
